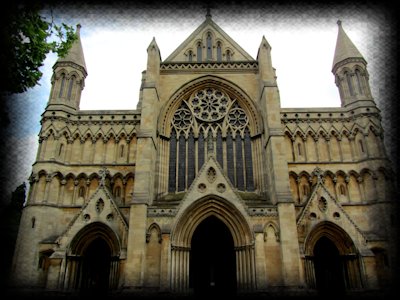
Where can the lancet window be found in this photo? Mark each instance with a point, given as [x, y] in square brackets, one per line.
[210, 122]
[62, 86]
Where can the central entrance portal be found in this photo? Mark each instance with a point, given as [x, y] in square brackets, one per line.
[96, 268]
[212, 259]
[328, 268]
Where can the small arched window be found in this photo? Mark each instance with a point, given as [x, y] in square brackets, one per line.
[342, 190]
[81, 192]
[209, 46]
[299, 149]
[121, 150]
[359, 82]
[60, 150]
[228, 55]
[117, 192]
[219, 52]
[349, 83]
[190, 56]
[306, 190]
[360, 142]
[199, 52]
[62, 86]
[71, 85]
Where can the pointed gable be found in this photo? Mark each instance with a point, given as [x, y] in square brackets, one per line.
[209, 36]
[101, 207]
[323, 207]
[211, 181]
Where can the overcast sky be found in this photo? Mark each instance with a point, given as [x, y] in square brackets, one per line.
[302, 52]
[115, 39]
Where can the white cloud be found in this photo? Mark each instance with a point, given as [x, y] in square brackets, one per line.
[302, 56]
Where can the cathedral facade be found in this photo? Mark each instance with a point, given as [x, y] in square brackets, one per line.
[209, 185]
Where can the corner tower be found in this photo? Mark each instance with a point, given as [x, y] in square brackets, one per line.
[69, 75]
[350, 70]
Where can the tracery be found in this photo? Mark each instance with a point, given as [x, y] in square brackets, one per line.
[210, 115]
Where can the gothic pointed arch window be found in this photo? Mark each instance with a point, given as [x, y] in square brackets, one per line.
[61, 93]
[199, 52]
[209, 46]
[81, 191]
[349, 83]
[219, 52]
[359, 82]
[70, 87]
[210, 122]
[228, 55]
[117, 192]
[190, 56]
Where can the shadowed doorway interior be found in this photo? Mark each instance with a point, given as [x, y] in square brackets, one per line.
[328, 268]
[212, 259]
[96, 268]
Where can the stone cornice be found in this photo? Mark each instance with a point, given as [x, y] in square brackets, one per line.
[70, 64]
[93, 117]
[327, 116]
[234, 66]
[347, 61]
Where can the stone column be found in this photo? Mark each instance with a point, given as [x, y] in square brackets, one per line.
[136, 255]
[165, 262]
[260, 260]
[290, 251]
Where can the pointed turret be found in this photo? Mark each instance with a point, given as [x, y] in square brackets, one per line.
[75, 54]
[350, 70]
[345, 48]
[149, 106]
[267, 72]
[153, 62]
[69, 75]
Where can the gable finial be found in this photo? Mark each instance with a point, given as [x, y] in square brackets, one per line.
[103, 174]
[208, 15]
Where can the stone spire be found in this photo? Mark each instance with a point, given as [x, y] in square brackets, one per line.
[75, 54]
[351, 75]
[69, 75]
[344, 48]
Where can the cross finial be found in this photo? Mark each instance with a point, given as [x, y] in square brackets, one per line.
[103, 174]
[208, 15]
[319, 173]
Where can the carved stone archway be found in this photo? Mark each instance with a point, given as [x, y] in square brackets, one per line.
[243, 241]
[93, 257]
[329, 237]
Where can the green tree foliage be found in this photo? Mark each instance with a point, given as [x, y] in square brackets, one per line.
[27, 37]
[10, 216]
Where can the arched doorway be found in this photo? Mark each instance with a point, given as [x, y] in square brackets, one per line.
[332, 263]
[212, 259]
[211, 220]
[328, 268]
[92, 265]
[95, 264]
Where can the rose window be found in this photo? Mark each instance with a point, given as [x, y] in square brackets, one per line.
[206, 123]
[237, 118]
[209, 105]
[182, 118]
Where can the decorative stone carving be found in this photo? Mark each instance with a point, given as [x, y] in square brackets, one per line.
[210, 105]
[322, 204]
[221, 187]
[99, 205]
[211, 175]
[202, 187]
